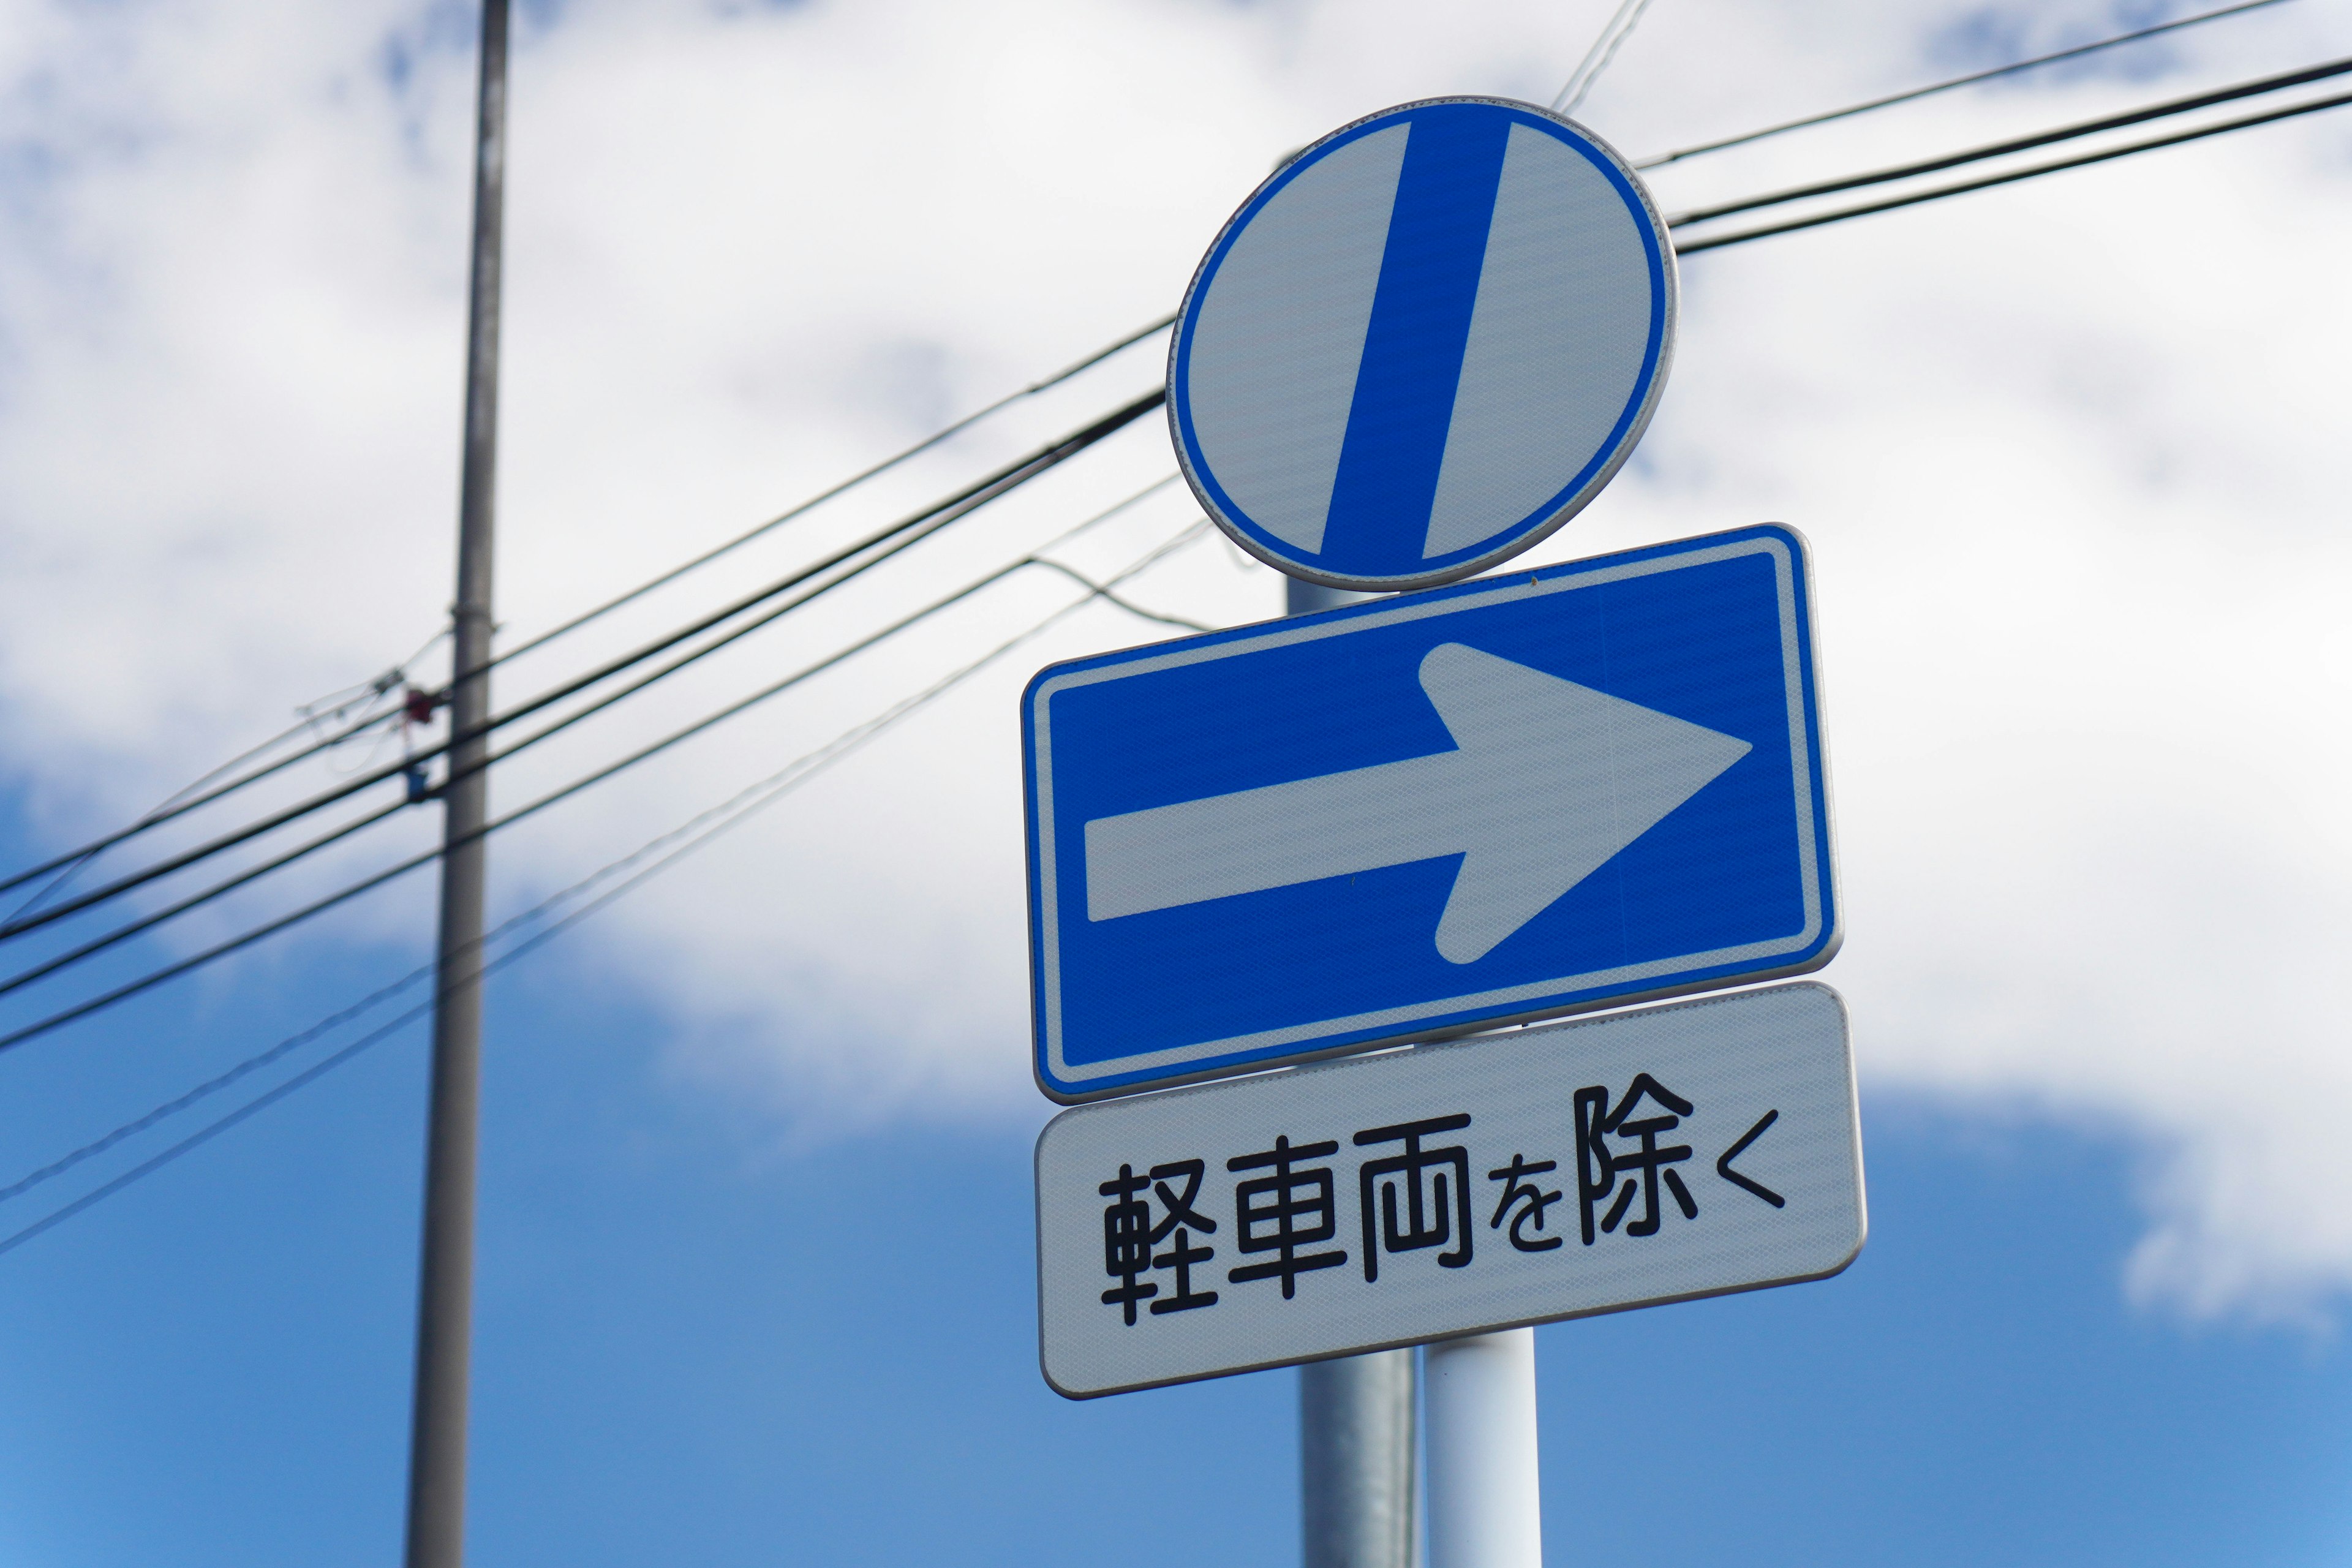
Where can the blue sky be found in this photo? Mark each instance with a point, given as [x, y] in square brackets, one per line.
[756, 1274]
[696, 1346]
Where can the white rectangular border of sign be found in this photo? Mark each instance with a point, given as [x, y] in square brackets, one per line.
[1767, 1076]
[1073, 1083]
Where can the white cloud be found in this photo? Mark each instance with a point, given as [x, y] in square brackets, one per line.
[2068, 454]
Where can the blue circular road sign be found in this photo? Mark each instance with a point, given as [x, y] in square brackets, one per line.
[1422, 344]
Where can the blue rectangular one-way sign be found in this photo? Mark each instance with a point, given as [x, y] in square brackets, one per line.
[1562, 788]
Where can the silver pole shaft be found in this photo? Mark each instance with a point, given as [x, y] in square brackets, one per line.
[1355, 1446]
[1354, 1413]
[1484, 1508]
[437, 1475]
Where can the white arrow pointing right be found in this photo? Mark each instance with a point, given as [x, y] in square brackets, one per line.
[1547, 781]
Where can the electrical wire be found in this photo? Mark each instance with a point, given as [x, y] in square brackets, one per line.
[1004, 479]
[76, 860]
[129, 989]
[212, 1085]
[2284, 80]
[207, 1133]
[162, 815]
[879, 545]
[1969, 81]
[1103, 590]
[925, 445]
[148, 922]
[74, 866]
[1619, 27]
[1741, 237]
[1682, 247]
[97, 945]
[71, 861]
[365, 694]
[1687, 246]
[738, 809]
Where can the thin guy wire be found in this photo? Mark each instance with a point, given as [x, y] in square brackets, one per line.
[1097, 358]
[1604, 50]
[1957, 81]
[171, 972]
[1682, 249]
[925, 445]
[222, 1125]
[963, 504]
[171, 911]
[148, 922]
[77, 858]
[74, 866]
[1718, 243]
[800, 771]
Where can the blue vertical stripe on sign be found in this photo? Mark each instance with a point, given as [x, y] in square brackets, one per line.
[1403, 404]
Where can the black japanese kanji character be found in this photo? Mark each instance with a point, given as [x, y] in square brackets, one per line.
[1282, 1212]
[1127, 1241]
[1597, 1168]
[1531, 1200]
[1425, 1224]
[1180, 1217]
[1130, 1237]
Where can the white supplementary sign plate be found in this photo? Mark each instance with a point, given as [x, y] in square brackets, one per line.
[1679, 1152]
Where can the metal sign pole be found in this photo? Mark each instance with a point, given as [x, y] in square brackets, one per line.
[1485, 1510]
[1354, 1413]
[437, 1477]
[1355, 1460]
[1424, 343]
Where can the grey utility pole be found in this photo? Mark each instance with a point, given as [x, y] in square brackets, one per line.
[437, 1466]
[1354, 1413]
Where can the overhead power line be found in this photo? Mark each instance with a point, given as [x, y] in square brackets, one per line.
[885, 466]
[335, 704]
[2278, 83]
[1741, 237]
[730, 815]
[1684, 247]
[75, 865]
[986, 488]
[1614, 33]
[1958, 81]
[1005, 478]
[148, 921]
[207, 1134]
[173, 807]
[880, 545]
[65, 864]
[178, 807]
[342, 895]
[214, 1085]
